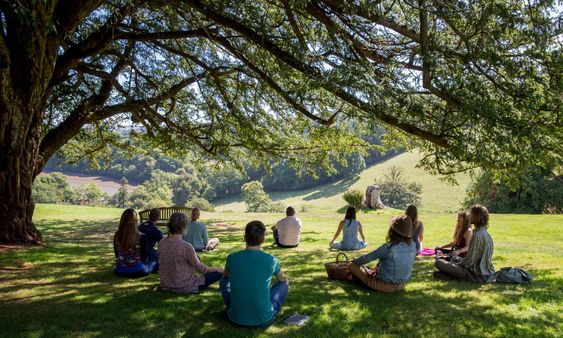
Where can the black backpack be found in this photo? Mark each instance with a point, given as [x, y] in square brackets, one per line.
[512, 275]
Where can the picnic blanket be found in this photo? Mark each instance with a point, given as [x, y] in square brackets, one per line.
[426, 252]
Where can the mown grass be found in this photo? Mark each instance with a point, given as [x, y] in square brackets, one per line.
[67, 288]
[436, 196]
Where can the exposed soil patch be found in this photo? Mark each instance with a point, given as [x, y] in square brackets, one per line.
[107, 184]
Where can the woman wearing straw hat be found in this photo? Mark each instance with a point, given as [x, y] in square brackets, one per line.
[396, 258]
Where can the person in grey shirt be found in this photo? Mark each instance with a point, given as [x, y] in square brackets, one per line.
[477, 266]
[196, 234]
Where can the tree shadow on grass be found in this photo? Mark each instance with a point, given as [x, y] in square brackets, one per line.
[70, 290]
[334, 189]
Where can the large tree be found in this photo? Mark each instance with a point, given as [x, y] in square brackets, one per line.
[470, 83]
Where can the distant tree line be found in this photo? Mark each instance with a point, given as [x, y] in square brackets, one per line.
[213, 184]
[54, 188]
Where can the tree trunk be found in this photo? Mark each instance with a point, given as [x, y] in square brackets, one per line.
[28, 52]
[372, 198]
[18, 169]
[19, 165]
[16, 211]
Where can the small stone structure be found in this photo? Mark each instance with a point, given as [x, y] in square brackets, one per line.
[372, 199]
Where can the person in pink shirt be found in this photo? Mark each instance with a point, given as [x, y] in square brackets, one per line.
[180, 270]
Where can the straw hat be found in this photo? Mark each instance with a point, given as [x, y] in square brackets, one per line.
[402, 225]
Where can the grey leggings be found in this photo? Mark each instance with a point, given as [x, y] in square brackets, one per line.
[458, 271]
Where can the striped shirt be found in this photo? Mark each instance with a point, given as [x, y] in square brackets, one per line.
[480, 253]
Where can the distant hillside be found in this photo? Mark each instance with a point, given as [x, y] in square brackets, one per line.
[437, 196]
[106, 184]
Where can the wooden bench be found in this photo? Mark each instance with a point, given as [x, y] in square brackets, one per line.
[165, 213]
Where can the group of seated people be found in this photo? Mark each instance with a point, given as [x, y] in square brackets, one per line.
[134, 246]
[467, 257]
[245, 280]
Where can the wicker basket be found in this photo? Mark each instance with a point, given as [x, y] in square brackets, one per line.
[339, 269]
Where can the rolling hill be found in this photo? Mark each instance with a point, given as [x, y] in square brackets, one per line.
[437, 196]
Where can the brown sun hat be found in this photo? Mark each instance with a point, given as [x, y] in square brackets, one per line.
[402, 225]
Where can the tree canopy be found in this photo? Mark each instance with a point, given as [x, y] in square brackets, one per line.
[469, 83]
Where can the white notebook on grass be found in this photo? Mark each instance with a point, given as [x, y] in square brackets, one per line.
[296, 319]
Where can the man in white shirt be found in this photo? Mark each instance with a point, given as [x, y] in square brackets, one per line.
[287, 230]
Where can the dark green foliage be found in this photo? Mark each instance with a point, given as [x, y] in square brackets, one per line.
[121, 198]
[153, 193]
[284, 177]
[215, 183]
[354, 198]
[223, 183]
[186, 185]
[135, 169]
[539, 191]
[396, 192]
[52, 188]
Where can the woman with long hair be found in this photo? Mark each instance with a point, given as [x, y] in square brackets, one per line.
[351, 228]
[460, 240]
[477, 265]
[127, 247]
[417, 226]
[179, 263]
[396, 259]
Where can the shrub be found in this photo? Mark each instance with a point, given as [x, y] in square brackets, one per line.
[255, 198]
[539, 191]
[201, 203]
[396, 192]
[354, 198]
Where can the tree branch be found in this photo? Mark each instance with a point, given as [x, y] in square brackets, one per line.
[58, 136]
[294, 25]
[136, 105]
[69, 14]
[270, 82]
[314, 73]
[172, 35]
[339, 6]
[94, 43]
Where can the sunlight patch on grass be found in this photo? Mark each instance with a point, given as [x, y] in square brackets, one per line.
[68, 287]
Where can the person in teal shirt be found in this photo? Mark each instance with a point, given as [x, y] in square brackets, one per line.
[196, 234]
[245, 285]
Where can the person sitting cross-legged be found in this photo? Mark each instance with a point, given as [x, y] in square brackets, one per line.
[287, 230]
[245, 286]
[128, 244]
[477, 265]
[179, 262]
[460, 241]
[196, 234]
[152, 236]
[396, 259]
[351, 227]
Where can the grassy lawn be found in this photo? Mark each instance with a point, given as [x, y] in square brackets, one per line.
[67, 287]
